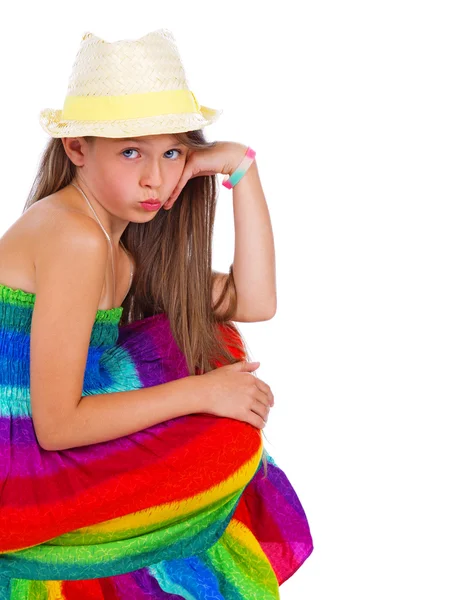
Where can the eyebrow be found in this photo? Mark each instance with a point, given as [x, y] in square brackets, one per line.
[139, 141]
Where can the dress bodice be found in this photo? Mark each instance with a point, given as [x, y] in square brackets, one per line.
[115, 361]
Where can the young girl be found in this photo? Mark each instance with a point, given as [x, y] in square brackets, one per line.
[132, 462]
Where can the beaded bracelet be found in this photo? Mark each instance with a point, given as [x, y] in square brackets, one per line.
[230, 181]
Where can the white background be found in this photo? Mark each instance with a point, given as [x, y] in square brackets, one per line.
[354, 110]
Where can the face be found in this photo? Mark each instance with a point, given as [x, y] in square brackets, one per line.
[124, 172]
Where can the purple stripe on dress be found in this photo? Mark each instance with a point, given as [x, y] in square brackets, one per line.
[154, 350]
[147, 583]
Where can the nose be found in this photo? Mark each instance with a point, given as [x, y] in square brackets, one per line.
[151, 175]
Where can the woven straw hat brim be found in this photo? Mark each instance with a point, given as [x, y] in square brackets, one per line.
[54, 125]
[127, 88]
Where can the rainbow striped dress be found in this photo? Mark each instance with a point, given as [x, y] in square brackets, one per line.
[180, 510]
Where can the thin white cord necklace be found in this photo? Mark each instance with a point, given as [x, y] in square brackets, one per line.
[105, 232]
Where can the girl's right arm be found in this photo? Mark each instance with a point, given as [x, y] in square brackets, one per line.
[102, 417]
[228, 391]
[71, 253]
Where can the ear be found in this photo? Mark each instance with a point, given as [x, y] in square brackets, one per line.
[75, 148]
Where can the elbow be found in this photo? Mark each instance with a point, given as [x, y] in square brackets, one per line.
[49, 440]
[44, 445]
[55, 442]
[53, 433]
[271, 313]
[48, 444]
[42, 438]
[267, 315]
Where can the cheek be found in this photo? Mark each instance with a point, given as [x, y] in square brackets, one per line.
[117, 179]
[115, 188]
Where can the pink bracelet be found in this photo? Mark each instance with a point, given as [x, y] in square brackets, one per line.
[230, 181]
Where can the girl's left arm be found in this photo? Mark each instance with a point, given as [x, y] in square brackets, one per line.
[254, 264]
[254, 259]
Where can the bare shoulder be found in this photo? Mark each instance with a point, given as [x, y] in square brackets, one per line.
[47, 222]
[70, 258]
[51, 218]
[56, 224]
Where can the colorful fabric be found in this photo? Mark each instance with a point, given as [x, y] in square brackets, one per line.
[178, 510]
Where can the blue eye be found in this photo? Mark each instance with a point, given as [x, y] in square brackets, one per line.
[175, 150]
[129, 150]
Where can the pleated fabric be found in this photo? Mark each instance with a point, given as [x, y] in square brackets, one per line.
[180, 510]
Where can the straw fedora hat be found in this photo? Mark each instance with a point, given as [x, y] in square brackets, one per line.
[127, 88]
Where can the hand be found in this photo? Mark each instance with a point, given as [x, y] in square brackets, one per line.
[222, 158]
[233, 391]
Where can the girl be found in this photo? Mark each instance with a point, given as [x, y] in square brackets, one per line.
[131, 456]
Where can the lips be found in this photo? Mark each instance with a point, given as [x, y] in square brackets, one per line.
[151, 202]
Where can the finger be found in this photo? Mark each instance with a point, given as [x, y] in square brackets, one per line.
[262, 398]
[180, 185]
[256, 420]
[261, 408]
[173, 196]
[175, 193]
[264, 387]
